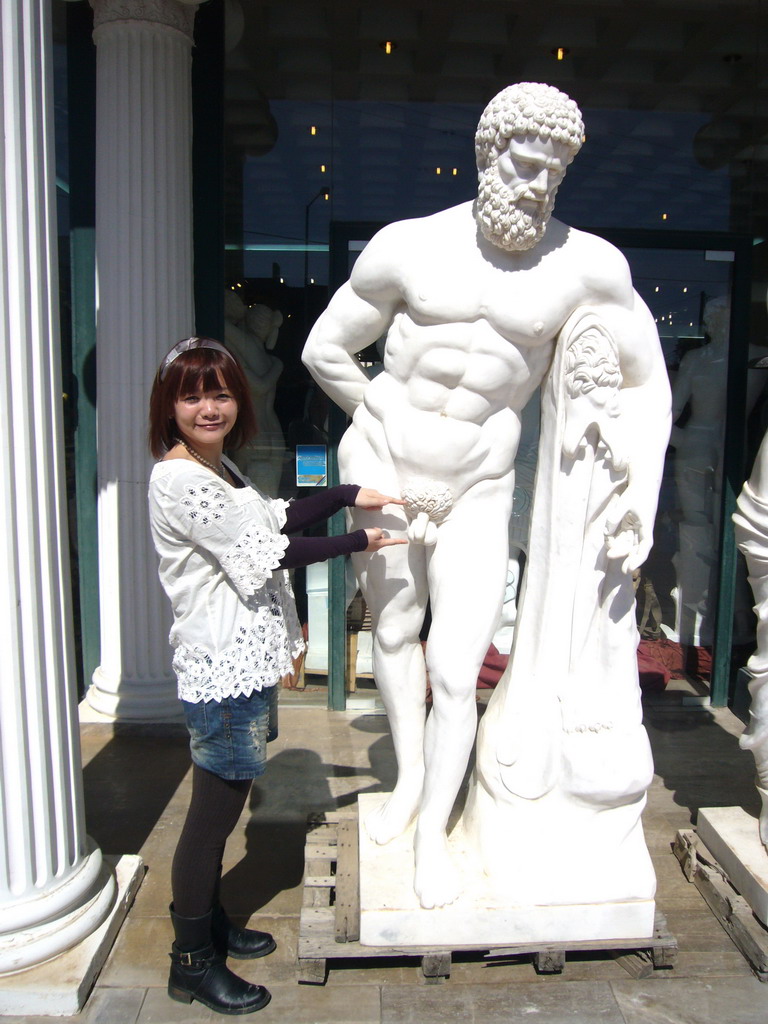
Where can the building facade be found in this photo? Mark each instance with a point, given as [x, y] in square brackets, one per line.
[215, 168]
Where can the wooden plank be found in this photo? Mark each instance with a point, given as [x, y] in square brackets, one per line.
[348, 883]
[550, 961]
[730, 908]
[664, 949]
[436, 965]
[638, 964]
[312, 972]
[320, 851]
[317, 881]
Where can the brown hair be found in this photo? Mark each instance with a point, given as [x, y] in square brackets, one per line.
[198, 367]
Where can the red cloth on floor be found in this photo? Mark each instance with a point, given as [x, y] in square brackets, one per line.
[492, 669]
[654, 673]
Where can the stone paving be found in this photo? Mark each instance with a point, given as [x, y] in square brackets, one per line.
[136, 789]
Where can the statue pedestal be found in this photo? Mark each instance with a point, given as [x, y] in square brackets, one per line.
[732, 836]
[390, 914]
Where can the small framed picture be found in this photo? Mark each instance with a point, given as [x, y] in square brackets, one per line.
[311, 465]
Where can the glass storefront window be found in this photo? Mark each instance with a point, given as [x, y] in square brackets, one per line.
[662, 161]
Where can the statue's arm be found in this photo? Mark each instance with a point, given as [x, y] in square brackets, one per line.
[646, 418]
[357, 315]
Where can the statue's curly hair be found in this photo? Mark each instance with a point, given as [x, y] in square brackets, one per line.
[528, 108]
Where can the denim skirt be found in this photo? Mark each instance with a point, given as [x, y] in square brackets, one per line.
[229, 737]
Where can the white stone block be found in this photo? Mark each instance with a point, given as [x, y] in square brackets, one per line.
[732, 837]
[390, 914]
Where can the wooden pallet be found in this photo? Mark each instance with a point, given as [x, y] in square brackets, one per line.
[729, 907]
[329, 926]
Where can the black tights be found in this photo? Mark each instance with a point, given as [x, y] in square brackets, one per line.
[214, 811]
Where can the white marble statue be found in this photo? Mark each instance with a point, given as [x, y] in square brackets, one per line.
[520, 520]
[476, 302]
[251, 332]
[751, 521]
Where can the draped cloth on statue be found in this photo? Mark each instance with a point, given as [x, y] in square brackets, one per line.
[563, 761]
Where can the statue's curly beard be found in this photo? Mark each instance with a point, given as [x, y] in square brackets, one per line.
[502, 221]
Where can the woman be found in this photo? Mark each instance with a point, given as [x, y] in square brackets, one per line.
[223, 548]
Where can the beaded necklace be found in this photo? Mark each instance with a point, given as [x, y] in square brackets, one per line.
[200, 458]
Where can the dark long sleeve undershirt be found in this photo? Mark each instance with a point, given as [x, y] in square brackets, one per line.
[306, 550]
[304, 512]
[314, 509]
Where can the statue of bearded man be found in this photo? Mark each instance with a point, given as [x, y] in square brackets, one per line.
[472, 300]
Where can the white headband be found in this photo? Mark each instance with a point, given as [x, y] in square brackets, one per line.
[185, 346]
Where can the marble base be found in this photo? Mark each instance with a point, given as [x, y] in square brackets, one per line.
[732, 837]
[390, 914]
[60, 987]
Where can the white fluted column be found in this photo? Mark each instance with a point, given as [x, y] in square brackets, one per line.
[54, 890]
[145, 304]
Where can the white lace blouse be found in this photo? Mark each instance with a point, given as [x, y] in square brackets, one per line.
[235, 627]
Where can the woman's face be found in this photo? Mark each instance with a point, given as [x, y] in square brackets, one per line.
[204, 418]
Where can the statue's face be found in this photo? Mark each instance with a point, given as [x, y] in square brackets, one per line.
[517, 192]
[717, 320]
[532, 169]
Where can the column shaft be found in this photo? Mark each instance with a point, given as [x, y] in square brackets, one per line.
[53, 888]
[144, 305]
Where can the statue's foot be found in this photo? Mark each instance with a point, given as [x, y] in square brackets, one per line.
[393, 817]
[437, 880]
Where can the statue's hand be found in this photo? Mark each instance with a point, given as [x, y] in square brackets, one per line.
[626, 535]
[370, 498]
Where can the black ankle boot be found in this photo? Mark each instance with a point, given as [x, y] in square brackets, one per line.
[199, 972]
[240, 943]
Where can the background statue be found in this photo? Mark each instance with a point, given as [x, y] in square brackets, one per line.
[251, 333]
[700, 388]
[751, 521]
[472, 301]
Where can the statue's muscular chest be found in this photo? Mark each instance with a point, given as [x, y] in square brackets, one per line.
[525, 304]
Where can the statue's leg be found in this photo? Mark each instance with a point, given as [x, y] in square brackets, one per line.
[393, 582]
[394, 585]
[467, 576]
[756, 736]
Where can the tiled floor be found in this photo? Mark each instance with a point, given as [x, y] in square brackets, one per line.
[136, 787]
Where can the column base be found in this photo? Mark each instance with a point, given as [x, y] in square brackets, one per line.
[60, 986]
[127, 700]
